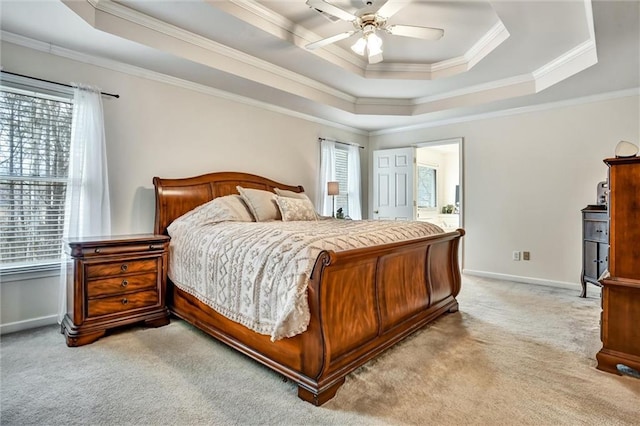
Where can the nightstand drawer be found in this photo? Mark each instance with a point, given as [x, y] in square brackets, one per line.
[119, 268]
[124, 302]
[97, 288]
[124, 249]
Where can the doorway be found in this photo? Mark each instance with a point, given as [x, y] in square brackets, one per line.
[439, 183]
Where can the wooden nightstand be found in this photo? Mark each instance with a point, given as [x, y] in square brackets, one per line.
[114, 281]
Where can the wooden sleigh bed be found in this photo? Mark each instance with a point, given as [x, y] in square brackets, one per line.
[362, 301]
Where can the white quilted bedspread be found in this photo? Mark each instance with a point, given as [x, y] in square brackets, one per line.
[256, 273]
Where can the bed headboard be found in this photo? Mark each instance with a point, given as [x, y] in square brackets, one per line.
[175, 197]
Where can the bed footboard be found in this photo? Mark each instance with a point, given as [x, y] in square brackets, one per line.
[364, 301]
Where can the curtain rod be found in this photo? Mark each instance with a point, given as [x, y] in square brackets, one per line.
[54, 82]
[343, 143]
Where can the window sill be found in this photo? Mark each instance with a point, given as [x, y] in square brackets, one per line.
[30, 272]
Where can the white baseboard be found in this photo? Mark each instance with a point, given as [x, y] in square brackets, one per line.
[12, 327]
[530, 280]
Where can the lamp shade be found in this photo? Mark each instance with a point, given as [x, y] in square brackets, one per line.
[333, 188]
[359, 46]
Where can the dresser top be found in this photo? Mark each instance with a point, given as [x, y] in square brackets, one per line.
[621, 160]
[595, 208]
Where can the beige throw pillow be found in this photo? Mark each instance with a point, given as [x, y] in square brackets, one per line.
[293, 209]
[290, 194]
[262, 204]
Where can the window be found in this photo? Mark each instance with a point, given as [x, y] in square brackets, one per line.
[342, 176]
[427, 187]
[339, 162]
[35, 134]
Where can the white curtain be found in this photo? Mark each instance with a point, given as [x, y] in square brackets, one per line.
[327, 174]
[353, 180]
[87, 207]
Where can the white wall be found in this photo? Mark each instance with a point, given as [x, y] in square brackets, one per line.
[526, 177]
[158, 129]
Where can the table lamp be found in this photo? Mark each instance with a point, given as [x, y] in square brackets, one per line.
[333, 189]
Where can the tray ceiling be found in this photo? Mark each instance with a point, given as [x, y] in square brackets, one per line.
[494, 54]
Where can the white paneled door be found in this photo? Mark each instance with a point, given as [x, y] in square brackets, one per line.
[393, 184]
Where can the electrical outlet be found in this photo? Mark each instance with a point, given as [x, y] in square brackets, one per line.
[516, 255]
[526, 255]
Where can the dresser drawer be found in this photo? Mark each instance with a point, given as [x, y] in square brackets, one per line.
[596, 230]
[94, 270]
[601, 215]
[121, 303]
[116, 285]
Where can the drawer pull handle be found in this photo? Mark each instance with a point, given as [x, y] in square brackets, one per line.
[124, 267]
[125, 301]
[151, 247]
[124, 283]
[97, 250]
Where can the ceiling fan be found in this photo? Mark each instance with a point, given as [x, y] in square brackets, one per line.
[368, 22]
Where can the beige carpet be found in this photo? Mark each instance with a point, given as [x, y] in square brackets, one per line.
[514, 354]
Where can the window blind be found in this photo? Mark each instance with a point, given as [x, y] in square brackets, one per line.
[342, 200]
[35, 135]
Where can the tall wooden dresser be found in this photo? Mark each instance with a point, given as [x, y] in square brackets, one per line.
[620, 323]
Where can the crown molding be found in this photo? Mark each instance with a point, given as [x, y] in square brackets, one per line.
[478, 88]
[134, 17]
[163, 78]
[485, 45]
[575, 60]
[601, 97]
[166, 79]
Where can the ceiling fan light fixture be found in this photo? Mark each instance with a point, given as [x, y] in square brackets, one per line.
[374, 44]
[359, 46]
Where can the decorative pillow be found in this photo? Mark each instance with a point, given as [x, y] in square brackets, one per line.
[230, 208]
[262, 204]
[296, 195]
[290, 194]
[296, 209]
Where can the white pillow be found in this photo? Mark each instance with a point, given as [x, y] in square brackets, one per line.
[296, 209]
[262, 204]
[230, 208]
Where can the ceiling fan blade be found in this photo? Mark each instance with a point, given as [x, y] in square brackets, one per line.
[391, 7]
[325, 7]
[425, 33]
[329, 40]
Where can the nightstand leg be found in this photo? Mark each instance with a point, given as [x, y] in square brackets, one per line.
[83, 339]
